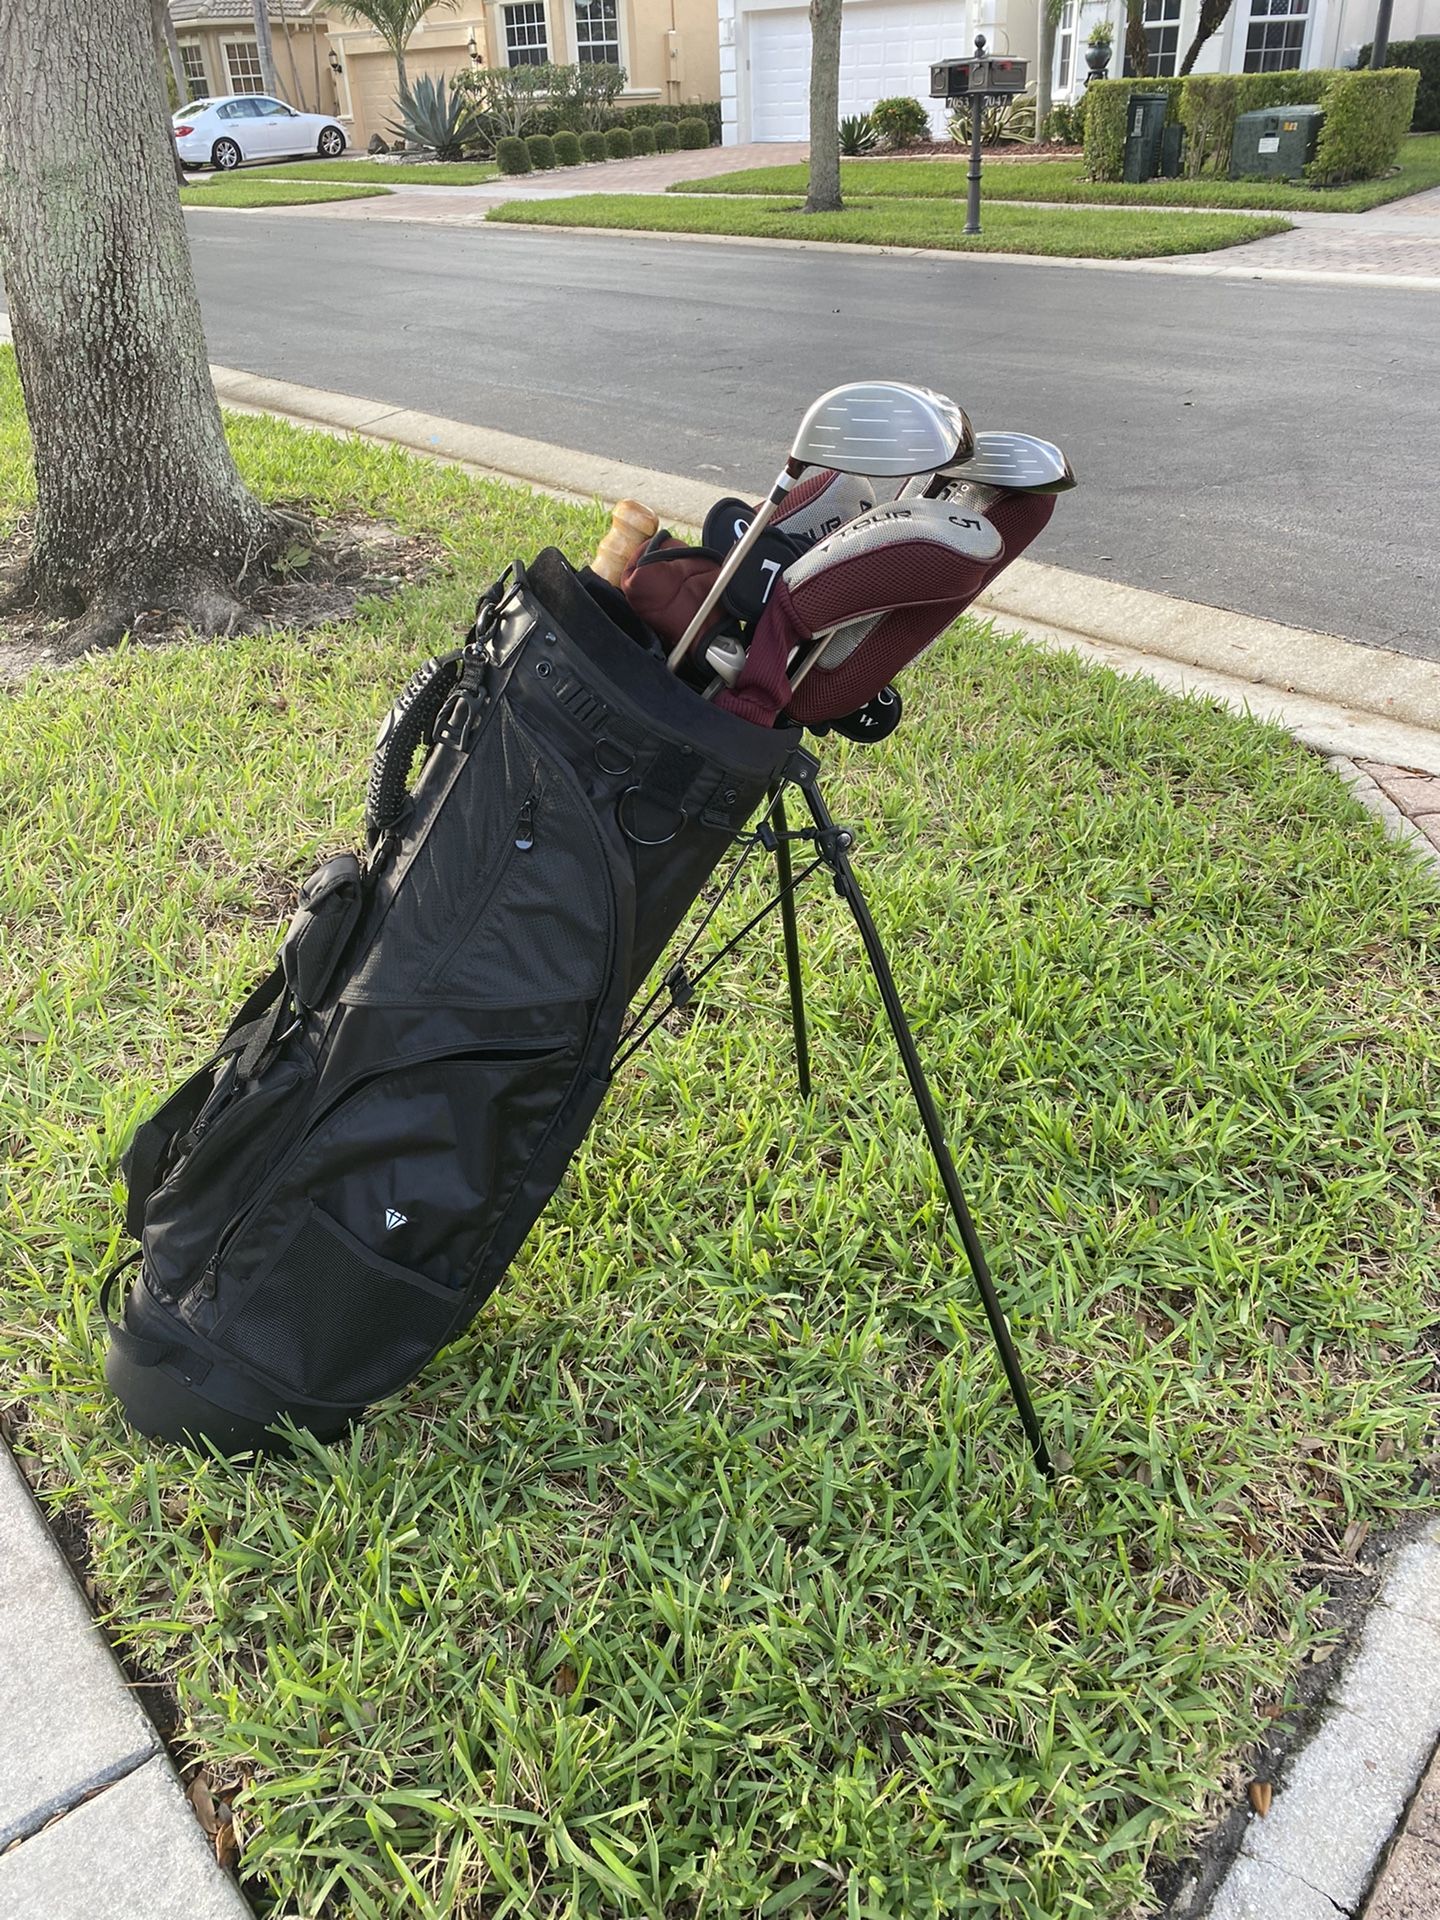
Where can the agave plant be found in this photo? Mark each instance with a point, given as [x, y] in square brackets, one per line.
[858, 135]
[1008, 118]
[432, 116]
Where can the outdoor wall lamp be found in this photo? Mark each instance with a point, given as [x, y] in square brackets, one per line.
[472, 49]
[335, 66]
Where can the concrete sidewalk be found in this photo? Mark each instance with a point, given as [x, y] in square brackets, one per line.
[93, 1820]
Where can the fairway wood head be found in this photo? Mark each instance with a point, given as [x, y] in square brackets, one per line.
[1017, 462]
[882, 428]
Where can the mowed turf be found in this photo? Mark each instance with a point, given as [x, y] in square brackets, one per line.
[708, 1574]
[384, 173]
[1073, 233]
[245, 190]
[1064, 181]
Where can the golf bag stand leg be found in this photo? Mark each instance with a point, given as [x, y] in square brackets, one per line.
[834, 843]
[791, 932]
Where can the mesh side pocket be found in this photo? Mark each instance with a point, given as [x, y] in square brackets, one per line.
[333, 1321]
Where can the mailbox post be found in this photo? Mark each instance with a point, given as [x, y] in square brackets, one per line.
[974, 81]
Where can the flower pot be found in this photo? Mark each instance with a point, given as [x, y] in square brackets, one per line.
[1097, 59]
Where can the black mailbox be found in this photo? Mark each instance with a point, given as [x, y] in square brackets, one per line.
[963, 79]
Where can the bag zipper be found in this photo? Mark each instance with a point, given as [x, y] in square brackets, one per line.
[207, 1285]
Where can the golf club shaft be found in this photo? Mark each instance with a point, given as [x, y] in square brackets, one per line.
[732, 562]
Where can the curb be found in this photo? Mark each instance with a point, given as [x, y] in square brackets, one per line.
[1380, 705]
[1314, 1854]
[93, 1818]
[1170, 265]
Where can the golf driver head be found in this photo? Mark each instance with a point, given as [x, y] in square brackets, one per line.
[882, 428]
[1018, 462]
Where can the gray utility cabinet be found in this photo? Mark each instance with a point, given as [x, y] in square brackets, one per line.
[1275, 143]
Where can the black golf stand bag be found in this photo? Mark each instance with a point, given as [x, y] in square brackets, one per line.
[333, 1195]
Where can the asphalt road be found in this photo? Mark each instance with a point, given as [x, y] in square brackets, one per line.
[1258, 445]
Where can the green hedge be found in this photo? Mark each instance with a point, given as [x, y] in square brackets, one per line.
[1424, 57]
[694, 132]
[1367, 116]
[667, 137]
[1107, 113]
[1360, 139]
[541, 149]
[642, 139]
[617, 143]
[567, 150]
[592, 146]
[652, 114]
[513, 156]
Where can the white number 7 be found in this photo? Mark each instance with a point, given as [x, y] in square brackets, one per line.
[773, 568]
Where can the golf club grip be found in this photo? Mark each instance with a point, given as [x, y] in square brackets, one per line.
[407, 725]
[631, 525]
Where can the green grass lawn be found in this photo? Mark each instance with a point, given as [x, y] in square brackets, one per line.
[245, 190]
[708, 1574]
[1073, 234]
[385, 173]
[1063, 181]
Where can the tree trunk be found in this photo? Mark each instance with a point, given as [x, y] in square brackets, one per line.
[164, 30]
[1137, 47]
[297, 98]
[400, 71]
[824, 191]
[1045, 63]
[261, 11]
[1212, 18]
[139, 504]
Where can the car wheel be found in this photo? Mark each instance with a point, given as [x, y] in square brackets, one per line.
[332, 143]
[225, 156]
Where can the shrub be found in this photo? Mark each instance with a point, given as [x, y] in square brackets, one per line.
[618, 144]
[541, 149]
[507, 102]
[642, 139]
[1363, 125]
[1065, 125]
[651, 114]
[567, 150]
[1424, 57]
[858, 135]
[900, 122]
[432, 116]
[1367, 116]
[585, 94]
[592, 145]
[513, 155]
[667, 137]
[1107, 112]
[693, 133]
[1007, 118]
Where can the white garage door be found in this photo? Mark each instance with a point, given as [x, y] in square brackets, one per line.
[886, 47]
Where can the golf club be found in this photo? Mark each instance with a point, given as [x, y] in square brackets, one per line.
[881, 428]
[1000, 463]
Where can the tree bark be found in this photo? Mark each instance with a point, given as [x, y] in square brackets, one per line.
[1137, 47]
[1045, 63]
[400, 71]
[824, 189]
[139, 504]
[164, 29]
[297, 99]
[1212, 18]
[261, 11]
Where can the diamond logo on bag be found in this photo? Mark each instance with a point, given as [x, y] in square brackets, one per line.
[394, 1218]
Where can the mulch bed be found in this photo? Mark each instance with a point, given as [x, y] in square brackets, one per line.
[315, 583]
[954, 150]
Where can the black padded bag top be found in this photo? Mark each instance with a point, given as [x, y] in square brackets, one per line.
[335, 1193]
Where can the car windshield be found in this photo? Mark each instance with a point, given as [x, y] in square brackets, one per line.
[195, 106]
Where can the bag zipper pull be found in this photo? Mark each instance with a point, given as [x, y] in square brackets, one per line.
[525, 827]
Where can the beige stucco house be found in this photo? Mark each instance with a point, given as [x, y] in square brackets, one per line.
[219, 54]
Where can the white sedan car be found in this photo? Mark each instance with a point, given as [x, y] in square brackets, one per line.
[237, 127]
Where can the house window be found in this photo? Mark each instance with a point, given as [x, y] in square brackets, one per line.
[242, 62]
[1064, 46]
[526, 42]
[1276, 38]
[1162, 35]
[192, 62]
[597, 32]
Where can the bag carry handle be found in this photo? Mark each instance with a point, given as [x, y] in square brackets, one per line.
[409, 724]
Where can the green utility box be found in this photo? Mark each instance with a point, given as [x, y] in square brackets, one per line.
[1275, 144]
[1145, 135]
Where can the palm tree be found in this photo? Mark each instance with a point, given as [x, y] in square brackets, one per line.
[394, 21]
